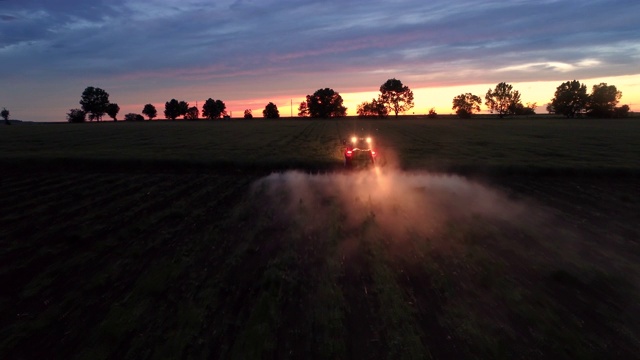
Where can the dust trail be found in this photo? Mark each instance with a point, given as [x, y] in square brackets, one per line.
[401, 202]
[443, 246]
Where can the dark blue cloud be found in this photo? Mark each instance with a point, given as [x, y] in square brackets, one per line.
[245, 42]
[114, 36]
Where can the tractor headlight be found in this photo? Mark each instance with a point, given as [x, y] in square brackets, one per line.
[354, 139]
[368, 140]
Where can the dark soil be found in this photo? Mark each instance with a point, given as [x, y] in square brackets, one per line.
[190, 264]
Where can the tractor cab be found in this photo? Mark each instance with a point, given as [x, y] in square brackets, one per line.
[359, 152]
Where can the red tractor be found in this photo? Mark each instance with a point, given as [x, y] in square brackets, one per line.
[359, 151]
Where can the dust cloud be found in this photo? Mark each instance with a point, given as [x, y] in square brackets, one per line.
[399, 202]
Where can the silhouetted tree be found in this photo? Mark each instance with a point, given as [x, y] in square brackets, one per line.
[466, 104]
[213, 109]
[112, 110]
[150, 111]
[133, 117]
[172, 109]
[519, 109]
[374, 108]
[5, 115]
[184, 108]
[550, 108]
[175, 108]
[395, 96]
[603, 100]
[432, 113]
[325, 103]
[569, 99]
[248, 114]
[503, 99]
[364, 110]
[303, 110]
[622, 111]
[192, 113]
[76, 116]
[94, 102]
[271, 111]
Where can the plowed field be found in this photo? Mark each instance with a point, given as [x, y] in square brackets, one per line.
[244, 240]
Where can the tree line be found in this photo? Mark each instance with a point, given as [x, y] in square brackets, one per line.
[95, 104]
[570, 99]
[5, 115]
[502, 99]
[324, 103]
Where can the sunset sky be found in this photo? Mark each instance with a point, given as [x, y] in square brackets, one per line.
[248, 53]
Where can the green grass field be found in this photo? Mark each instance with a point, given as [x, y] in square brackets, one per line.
[519, 144]
[514, 238]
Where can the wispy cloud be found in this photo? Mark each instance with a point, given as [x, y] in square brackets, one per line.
[293, 43]
[562, 67]
[4, 17]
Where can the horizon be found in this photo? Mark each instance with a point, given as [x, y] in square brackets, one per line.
[351, 100]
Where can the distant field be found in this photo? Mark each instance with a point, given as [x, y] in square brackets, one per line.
[522, 144]
[503, 239]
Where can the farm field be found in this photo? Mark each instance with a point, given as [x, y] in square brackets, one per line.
[518, 145]
[513, 238]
